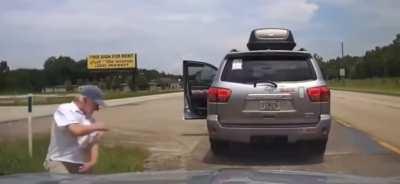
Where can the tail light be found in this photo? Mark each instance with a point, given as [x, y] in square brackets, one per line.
[319, 94]
[219, 94]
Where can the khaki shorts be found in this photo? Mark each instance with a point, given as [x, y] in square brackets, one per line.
[61, 167]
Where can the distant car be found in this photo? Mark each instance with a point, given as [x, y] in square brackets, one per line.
[265, 93]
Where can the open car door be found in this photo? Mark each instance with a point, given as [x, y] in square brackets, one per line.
[197, 78]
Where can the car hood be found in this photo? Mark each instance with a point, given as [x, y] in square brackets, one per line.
[217, 176]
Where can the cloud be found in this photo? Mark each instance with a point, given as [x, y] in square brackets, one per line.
[163, 32]
[337, 2]
[290, 11]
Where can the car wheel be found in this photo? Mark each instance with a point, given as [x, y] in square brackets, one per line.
[318, 148]
[218, 147]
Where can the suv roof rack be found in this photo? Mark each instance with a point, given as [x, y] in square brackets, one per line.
[271, 39]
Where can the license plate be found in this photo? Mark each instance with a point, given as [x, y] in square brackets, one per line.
[269, 106]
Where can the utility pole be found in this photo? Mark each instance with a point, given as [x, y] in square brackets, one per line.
[342, 71]
[30, 101]
[342, 46]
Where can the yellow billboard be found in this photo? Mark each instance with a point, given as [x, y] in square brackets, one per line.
[111, 61]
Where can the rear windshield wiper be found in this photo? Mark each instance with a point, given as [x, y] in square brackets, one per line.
[265, 81]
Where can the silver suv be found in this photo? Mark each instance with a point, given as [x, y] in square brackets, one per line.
[266, 93]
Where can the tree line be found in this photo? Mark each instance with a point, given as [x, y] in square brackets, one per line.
[65, 71]
[379, 62]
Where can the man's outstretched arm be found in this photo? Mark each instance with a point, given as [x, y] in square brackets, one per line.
[78, 129]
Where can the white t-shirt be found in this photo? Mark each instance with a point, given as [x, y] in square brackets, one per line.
[63, 145]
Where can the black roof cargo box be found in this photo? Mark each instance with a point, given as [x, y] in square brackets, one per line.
[271, 39]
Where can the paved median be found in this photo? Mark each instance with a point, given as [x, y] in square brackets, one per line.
[12, 113]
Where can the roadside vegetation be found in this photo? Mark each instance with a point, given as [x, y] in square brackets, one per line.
[380, 62]
[65, 74]
[14, 157]
[378, 71]
[386, 86]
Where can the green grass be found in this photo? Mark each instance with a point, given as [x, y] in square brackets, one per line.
[386, 86]
[120, 159]
[39, 100]
[14, 157]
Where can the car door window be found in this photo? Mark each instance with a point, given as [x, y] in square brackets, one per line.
[201, 76]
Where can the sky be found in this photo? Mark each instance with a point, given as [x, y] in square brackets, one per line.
[165, 32]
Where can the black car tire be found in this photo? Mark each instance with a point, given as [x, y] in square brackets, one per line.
[218, 147]
[318, 148]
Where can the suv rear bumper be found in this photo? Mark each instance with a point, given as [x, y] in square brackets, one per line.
[244, 135]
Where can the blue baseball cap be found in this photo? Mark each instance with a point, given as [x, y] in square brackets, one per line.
[94, 93]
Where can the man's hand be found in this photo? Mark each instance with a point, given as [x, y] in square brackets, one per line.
[86, 167]
[98, 137]
[100, 126]
[93, 155]
[99, 134]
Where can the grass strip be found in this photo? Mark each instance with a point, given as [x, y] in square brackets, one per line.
[385, 86]
[14, 157]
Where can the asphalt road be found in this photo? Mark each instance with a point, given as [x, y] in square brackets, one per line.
[378, 115]
[348, 152]
[157, 125]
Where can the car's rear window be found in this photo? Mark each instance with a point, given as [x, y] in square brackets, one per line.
[256, 70]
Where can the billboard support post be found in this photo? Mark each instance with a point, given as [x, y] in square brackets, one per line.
[134, 72]
[30, 146]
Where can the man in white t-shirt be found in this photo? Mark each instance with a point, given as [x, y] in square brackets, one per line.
[75, 134]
